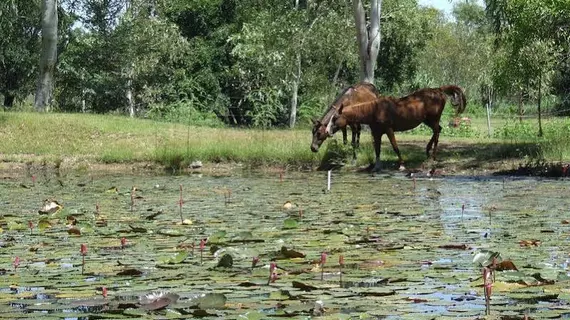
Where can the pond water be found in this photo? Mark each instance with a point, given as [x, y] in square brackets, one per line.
[408, 252]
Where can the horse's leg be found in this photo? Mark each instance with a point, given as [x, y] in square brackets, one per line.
[392, 137]
[430, 144]
[436, 140]
[344, 138]
[377, 136]
[354, 130]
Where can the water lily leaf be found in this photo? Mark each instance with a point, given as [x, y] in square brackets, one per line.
[290, 223]
[289, 253]
[217, 237]
[74, 231]
[177, 258]
[485, 258]
[303, 286]
[130, 272]
[226, 261]
[157, 301]
[137, 229]
[50, 207]
[205, 301]
[506, 265]
[252, 315]
[171, 233]
[374, 292]
[13, 226]
[462, 246]
[44, 224]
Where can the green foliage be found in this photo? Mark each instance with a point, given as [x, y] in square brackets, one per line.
[19, 48]
[516, 130]
[406, 29]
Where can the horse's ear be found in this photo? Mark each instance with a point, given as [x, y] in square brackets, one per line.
[350, 90]
[315, 122]
[340, 108]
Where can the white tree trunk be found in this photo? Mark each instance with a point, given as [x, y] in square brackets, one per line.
[129, 93]
[368, 41]
[295, 89]
[44, 90]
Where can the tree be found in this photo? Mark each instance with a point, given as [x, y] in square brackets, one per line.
[368, 38]
[19, 48]
[532, 44]
[48, 58]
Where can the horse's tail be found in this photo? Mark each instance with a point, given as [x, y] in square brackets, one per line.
[458, 100]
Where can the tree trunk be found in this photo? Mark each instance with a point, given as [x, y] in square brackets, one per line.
[48, 58]
[8, 101]
[368, 41]
[129, 93]
[295, 89]
[520, 107]
[540, 133]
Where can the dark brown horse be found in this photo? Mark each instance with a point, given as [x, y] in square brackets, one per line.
[386, 115]
[358, 93]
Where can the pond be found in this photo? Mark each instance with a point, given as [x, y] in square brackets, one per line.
[407, 246]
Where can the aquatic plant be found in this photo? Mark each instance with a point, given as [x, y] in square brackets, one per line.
[254, 262]
[83, 252]
[16, 263]
[340, 265]
[180, 203]
[323, 262]
[272, 274]
[202, 246]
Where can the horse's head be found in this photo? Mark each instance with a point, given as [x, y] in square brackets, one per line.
[320, 133]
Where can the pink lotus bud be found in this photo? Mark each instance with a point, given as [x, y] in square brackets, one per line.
[273, 277]
[323, 258]
[254, 261]
[272, 267]
[341, 260]
[202, 244]
[104, 292]
[16, 262]
[83, 249]
[123, 242]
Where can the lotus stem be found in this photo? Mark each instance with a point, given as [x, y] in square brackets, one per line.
[180, 203]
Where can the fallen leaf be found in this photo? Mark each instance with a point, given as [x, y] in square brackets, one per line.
[506, 265]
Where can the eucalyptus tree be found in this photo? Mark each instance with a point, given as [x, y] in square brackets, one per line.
[459, 51]
[277, 45]
[533, 43]
[19, 48]
[48, 57]
[368, 37]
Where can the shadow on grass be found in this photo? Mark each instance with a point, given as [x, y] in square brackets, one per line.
[461, 155]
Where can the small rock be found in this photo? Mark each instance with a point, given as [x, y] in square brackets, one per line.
[196, 164]
[226, 261]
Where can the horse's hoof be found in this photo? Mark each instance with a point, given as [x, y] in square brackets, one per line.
[376, 169]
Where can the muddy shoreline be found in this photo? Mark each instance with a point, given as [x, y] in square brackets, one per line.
[429, 168]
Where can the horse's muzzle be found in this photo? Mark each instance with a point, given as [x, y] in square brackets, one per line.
[314, 148]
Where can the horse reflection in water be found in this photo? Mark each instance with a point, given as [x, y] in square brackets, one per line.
[386, 115]
[361, 92]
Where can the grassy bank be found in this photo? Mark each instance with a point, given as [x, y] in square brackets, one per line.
[32, 137]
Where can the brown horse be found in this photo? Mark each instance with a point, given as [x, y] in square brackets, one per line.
[361, 92]
[385, 115]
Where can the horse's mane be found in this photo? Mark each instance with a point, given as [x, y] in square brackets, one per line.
[328, 115]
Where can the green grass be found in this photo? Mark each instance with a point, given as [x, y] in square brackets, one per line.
[54, 137]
